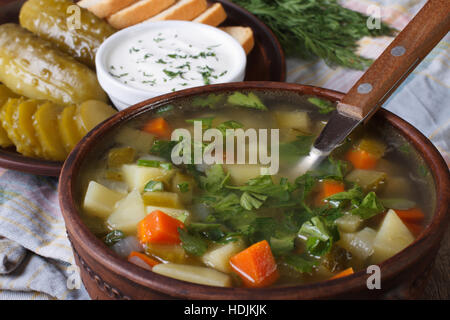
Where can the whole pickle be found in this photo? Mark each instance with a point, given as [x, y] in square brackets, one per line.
[54, 21]
[34, 68]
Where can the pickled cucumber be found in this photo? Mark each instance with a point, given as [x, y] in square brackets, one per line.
[45, 122]
[20, 140]
[34, 68]
[120, 156]
[9, 122]
[52, 21]
[68, 128]
[24, 119]
[91, 113]
[5, 116]
[5, 94]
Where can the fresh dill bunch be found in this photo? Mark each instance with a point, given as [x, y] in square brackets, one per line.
[317, 28]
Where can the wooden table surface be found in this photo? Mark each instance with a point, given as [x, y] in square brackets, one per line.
[439, 284]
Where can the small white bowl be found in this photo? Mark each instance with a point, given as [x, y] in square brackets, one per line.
[124, 95]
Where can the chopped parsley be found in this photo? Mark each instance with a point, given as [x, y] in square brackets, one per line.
[153, 186]
[249, 100]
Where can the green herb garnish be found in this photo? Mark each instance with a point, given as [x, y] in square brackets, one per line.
[193, 244]
[211, 101]
[231, 124]
[163, 148]
[153, 186]
[172, 74]
[317, 28]
[324, 106]
[301, 263]
[113, 237]
[166, 166]
[250, 100]
[149, 163]
[165, 109]
[300, 147]
[154, 164]
[251, 200]
[183, 187]
[369, 207]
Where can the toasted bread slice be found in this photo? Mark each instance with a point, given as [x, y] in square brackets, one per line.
[105, 8]
[242, 34]
[138, 12]
[213, 16]
[182, 10]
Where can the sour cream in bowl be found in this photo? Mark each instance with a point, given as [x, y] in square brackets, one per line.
[154, 58]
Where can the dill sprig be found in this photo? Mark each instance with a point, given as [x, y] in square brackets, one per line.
[317, 28]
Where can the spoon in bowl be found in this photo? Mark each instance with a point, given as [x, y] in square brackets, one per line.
[383, 77]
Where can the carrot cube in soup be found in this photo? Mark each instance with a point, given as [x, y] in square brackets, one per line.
[362, 159]
[414, 215]
[344, 273]
[256, 265]
[329, 188]
[158, 227]
[414, 228]
[158, 127]
[412, 218]
[142, 257]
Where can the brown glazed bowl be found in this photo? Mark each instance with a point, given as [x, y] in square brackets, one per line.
[106, 276]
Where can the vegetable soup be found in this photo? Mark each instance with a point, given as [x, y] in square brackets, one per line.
[234, 224]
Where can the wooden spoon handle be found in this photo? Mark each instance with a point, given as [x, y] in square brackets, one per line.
[401, 57]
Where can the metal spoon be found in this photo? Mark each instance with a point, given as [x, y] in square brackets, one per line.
[383, 77]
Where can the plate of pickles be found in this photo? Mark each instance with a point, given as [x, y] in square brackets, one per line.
[49, 94]
[50, 97]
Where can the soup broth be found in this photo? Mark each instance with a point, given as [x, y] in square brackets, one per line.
[239, 224]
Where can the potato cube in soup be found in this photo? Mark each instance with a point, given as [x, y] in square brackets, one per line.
[166, 252]
[184, 186]
[359, 244]
[128, 213]
[139, 140]
[138, 176]
[162, 199]
[219, 256]
[392, 237]
[120, 156]
[373, 146]
[194, 274]
[349, 223]
[99, 201]
[397, 187]
[241, 173]
[179, 214]
[369, 180]
[298, 120]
